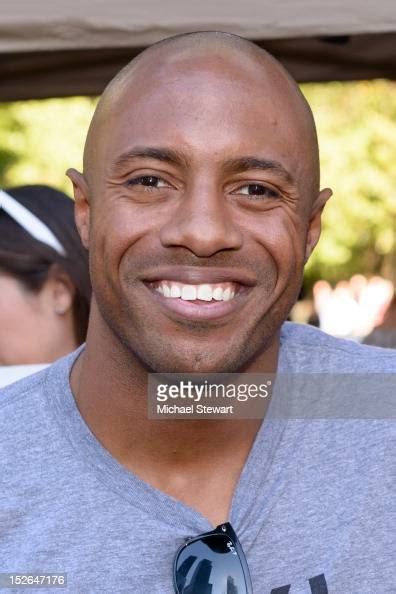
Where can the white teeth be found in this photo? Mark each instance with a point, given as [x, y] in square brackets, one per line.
[204, 293]
[227, 294]
[175, 291]
[188, 293]
[218, 294]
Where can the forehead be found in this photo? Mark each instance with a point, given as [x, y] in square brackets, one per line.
[214, 108]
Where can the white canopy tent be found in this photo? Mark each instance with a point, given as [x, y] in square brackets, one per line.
[57, 48]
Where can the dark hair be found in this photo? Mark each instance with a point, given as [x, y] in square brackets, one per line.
[30, 260]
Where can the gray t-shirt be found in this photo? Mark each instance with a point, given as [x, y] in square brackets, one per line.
[314, 508]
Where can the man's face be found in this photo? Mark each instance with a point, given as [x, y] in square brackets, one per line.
[198, 219]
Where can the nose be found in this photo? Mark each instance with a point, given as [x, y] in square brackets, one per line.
[203, 224]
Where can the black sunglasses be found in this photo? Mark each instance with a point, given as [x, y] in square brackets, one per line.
[212, 563]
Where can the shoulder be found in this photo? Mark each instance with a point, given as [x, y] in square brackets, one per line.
[26, 406]
[26, 389]
[305, 348]
[23, 424]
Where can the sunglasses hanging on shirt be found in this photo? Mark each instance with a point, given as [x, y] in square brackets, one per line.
[212, 563]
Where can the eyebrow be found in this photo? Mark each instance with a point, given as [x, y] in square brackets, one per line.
[175, 157]
[242, 164]
[165, 155]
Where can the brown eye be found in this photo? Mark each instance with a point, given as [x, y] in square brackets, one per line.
[148, 181]
[257, 190]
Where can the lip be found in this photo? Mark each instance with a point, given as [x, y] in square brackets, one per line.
[200, 310]
[197, 275]
[194, 310]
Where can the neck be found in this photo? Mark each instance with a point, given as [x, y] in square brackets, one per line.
[110, 388]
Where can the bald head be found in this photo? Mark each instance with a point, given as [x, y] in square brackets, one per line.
[204, 51]
[201, 167]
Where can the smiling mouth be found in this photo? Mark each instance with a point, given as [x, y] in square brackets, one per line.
[198, 294]
[204, 292]
[199, 302]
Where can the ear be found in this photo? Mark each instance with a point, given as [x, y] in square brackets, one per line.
[315, 221]
[60, 290]
[81, 204]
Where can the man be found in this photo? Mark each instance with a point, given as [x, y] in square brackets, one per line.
[199, 204]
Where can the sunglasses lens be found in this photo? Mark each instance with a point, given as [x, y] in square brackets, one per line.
[210, 565]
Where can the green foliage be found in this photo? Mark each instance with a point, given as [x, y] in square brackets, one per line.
[356, 125]
[39, 140]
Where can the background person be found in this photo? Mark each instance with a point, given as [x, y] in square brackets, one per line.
[44, 280]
